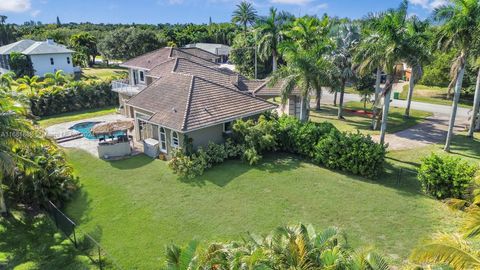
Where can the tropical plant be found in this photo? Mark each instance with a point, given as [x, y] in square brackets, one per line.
[85, 43]
[6, 80]
[269, 31]
[15, 134]
[347, 37]
[306, 49]
[21, 64]
[287, 247]
[58, 78]
[417, 36]
[461, 21]
[29, 84]
[244, 14]
[388, 35]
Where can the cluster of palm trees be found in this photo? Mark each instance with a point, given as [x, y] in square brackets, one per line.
[287, 247]
[318, 53]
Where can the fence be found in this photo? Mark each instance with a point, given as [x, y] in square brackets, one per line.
[82, 241]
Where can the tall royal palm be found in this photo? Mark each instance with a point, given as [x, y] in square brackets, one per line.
[269, 31]
[389, 35]
[370, 45]
[461, 20]
[308, 38]
[418, 55]
[347, 37]
[244, 14]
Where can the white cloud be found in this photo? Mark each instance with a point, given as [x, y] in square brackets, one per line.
[429, 4]
[291, 2]
[15, 5]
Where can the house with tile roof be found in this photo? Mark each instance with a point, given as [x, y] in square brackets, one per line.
[181, 96]
[46, 56]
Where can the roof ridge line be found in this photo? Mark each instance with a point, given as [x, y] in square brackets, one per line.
[189, 101]
[245, 93]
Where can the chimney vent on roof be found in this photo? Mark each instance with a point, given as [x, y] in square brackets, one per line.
[50, 41]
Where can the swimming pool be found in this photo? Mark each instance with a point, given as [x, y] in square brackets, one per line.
[85, 128]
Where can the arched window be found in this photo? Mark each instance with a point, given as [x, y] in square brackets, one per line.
[163, 139]
[175, 141]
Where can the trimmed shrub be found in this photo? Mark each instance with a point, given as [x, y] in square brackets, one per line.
[351, 152]
[188, 167]
[257, 137]
[446, 176]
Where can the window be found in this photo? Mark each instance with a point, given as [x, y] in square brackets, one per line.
[52, 62]
[227, 127]
[68, 60]
[175, 141]
[163, 140]
[142, 76]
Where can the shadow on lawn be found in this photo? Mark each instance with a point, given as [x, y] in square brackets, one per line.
[131, 162]
[271, 163]
[35, 241]
[466, 147]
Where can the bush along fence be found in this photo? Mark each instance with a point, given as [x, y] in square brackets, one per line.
[322, 143]
[81, 240]
[73, 97]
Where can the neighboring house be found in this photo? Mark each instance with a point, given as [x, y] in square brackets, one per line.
[46, 56]
[180, 97]
[223, 51]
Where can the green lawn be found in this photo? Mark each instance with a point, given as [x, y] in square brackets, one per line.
[139, 206]
[34, 243]
[433, 95]
[353, 122]
[102, 72]
[73, 116]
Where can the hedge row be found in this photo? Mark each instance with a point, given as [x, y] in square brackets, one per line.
[320, 142]
[79, 96]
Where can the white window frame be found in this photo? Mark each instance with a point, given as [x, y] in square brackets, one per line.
[164, 133]
[172, 141]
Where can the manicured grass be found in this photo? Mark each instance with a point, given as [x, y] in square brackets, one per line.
[34, 243]
[102, 72]
[139, 206]
[354, 122]
[433, 95]
[73, 116]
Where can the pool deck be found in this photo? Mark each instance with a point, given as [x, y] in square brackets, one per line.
[63, 130]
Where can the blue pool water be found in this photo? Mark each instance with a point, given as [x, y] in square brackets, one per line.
[85, 128]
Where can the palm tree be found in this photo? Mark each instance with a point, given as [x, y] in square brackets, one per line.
[476, 101]
[370, 45]
[389, 35]
[287, 247]
[347, 38]
[419, 54]
[307, 71]
[269, 30]
[15, 133]
[244, 14]
[6, 80]
[461, 20]
[29, 83]
[58, 78]
[308, 38]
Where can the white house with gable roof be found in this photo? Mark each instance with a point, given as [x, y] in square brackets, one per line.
[46, 56]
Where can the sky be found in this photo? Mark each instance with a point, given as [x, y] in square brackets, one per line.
[185, 11]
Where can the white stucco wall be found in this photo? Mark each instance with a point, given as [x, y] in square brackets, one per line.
[41, 63]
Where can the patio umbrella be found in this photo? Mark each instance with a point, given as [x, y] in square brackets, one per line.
[111, 127]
